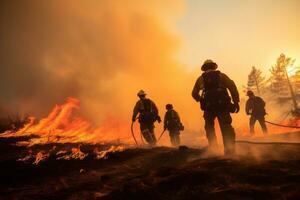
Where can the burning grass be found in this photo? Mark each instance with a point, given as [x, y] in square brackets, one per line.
[74, 153]
[62, 125]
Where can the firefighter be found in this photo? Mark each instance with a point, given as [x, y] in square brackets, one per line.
[173, 124]
[216, 103]
[148, 115]
[255, 107]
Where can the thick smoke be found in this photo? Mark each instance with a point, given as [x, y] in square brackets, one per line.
[99, 51]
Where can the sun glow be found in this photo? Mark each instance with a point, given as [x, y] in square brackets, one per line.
[292, 70]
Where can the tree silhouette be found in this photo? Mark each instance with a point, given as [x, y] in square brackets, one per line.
[280, 80]
[255, 80]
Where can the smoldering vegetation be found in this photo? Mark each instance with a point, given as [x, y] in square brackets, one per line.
[259, 171]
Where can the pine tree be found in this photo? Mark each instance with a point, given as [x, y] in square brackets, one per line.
[280, 81]
[255, 80]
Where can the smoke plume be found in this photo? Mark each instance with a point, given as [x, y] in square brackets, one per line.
[99, 51]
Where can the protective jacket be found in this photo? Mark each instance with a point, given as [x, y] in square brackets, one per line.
[147, 110]
[172, 120]
[215, 97]
[256, 106]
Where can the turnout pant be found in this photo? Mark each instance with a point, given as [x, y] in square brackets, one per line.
[261, 120]
[174, 137]
[147, 131]
[227, 130]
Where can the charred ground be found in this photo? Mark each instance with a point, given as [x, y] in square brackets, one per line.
[260, 171]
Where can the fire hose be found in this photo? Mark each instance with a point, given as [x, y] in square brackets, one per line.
[161, 135]
[280, 125]
[133, 134]
[134, 138]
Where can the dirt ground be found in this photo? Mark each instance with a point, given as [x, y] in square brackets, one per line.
[259, 171]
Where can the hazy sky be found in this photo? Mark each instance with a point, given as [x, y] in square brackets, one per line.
[239, 34]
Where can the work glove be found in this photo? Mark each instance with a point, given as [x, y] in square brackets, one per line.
[158, 119]
[237, 107]
[133, 119]
[181, 127]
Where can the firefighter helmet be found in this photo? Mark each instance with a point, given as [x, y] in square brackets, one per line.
[141, 93]
[209, 64]
[250, 93]
[169, 106]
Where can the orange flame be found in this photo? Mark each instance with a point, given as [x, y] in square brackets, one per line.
[104, 154]
[76, 153]
[40, 156]
[61, 126]
[72, 154]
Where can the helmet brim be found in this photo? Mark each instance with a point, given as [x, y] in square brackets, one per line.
[208, 66]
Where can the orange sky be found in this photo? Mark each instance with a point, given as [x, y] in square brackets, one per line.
[239, 34]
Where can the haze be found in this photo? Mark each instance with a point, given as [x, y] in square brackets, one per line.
[102, 52]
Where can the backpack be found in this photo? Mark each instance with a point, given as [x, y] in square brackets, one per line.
[214, 97]
[173, 121]
[258, 107]
[147, 115]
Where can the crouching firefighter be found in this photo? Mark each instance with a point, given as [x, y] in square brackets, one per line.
[147, 113]
[216, 103]
[173, 124]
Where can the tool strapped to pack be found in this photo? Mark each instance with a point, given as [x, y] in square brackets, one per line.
[214, 97]
[147, 113]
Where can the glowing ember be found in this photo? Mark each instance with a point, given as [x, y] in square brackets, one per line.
[76, 153]
[26, 158]
[40, 156]
[61, 152]
[104, 154]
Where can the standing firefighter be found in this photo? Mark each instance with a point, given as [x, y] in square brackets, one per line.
[148, 114]
[255, 106]
[173, 124]
[216, 103]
